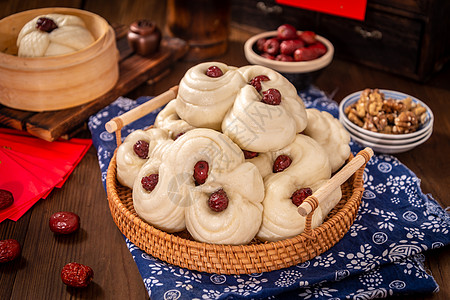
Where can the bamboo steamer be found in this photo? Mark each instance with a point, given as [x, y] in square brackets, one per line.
[57, 82]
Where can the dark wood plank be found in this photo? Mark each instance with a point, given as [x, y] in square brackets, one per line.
[9, 7]
[14, 118]
[126, 12]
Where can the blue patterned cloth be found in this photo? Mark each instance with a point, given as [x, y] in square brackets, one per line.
[380, 256]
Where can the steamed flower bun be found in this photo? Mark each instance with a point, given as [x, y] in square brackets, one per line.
[330, 134]
[258, 126]
[69, 36]
[203, 100]
[310, 168]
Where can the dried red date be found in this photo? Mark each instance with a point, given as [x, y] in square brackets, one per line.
[288, 46]
[77, 275]
[272, 46]
[300, 195]
[218, 201]
[9, 250]
[250, 154]
[286, 32]
[6, 199]
[260, 44]
[271, 97]
[214, 72]
[309, 37]
[64, 222]
[305, 54]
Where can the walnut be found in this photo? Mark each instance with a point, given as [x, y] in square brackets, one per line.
[407, 102]
[420, 112]
[406, 122]
[380, 121]
[360, 109]
[391, 117]
[375, 108]
[392, 106]
[369, 123]
[353, 117]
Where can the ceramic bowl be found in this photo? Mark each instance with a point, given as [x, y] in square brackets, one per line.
[300, 73]
[352, 98]
[391, 149]
[381, 142]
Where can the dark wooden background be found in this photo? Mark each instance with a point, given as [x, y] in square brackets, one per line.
[115, 11]
[99, 243]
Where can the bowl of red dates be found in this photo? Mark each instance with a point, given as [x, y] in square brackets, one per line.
[299, 55]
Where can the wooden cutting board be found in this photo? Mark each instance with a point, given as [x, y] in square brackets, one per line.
[133, 71]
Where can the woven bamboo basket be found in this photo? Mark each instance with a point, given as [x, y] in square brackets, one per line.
[181, 250]
[56, 82]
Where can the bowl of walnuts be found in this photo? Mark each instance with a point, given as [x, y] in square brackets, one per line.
[299, 55]
[388, 121]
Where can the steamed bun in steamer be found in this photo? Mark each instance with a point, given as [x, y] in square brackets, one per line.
[70, 35]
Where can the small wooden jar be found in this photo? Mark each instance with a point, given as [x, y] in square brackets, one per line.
[56, 82]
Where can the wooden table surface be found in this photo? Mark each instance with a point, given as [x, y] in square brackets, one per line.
[99, 244]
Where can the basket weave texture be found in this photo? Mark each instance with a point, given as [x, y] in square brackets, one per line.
[181, 250]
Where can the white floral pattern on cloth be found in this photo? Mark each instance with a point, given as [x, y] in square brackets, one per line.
[396, 223]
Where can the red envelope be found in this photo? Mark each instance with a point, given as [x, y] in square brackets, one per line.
[30, 167]
[24, 185]
[45, 171]
[34, 146]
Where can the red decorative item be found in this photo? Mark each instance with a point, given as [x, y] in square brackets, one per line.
[46, 25]
[141, 149]
[256, 81]
[354, 9]
[300, 195]
[31, 167]
[250, 154]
